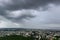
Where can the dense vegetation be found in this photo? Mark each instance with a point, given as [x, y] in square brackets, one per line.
[19, 37]
[16, 37]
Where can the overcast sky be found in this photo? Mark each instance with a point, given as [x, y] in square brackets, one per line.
[40, 14]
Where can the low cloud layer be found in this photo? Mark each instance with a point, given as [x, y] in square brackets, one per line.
[29, 13]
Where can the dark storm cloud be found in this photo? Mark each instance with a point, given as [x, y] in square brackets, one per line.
[15, 19]
[20, 18]
[29, 4]
[23, 4]
[2, 11]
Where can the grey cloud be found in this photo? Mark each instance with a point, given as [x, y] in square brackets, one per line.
[20, 18]
[2, 11]
[29, 4]
[23, 4]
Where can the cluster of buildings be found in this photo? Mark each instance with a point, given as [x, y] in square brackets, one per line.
[37, 35]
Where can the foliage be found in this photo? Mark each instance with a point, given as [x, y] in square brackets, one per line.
[15, 37]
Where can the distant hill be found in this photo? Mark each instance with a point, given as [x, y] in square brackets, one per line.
[12, 29]
[26, 29]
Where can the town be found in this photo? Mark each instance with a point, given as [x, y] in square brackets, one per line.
[37, 35]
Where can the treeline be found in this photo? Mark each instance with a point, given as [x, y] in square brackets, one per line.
[16, 37]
